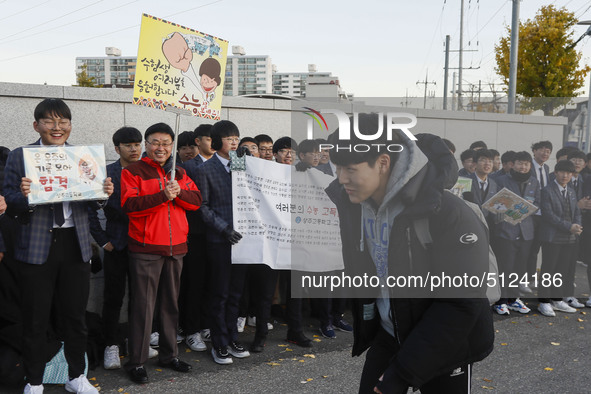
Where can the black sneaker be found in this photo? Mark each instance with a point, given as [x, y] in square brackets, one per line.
[237, 350]
[221, 356]
[342, 325]
[138, 375]
[299, 339]
[176, 365]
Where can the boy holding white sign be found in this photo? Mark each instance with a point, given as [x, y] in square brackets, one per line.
[53, 246]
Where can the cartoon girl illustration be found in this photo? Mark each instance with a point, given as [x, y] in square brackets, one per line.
[210, 77]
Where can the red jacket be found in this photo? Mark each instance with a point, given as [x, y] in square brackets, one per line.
[156, 224]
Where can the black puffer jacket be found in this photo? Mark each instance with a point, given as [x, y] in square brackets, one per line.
[435, 334]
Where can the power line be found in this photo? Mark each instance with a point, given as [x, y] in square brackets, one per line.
[581, 7]
[434, 33]
[103, 35]
[28, 9]
[52, 20]
[583, 13]
[68, 24]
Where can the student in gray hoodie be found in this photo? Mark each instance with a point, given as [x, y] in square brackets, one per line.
[417, 336]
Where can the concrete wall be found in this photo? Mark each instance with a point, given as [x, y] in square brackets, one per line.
[97, 113]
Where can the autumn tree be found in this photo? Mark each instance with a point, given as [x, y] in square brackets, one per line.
[548, 71]
[82, 78]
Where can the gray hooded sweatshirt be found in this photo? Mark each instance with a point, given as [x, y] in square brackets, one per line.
[377, 221]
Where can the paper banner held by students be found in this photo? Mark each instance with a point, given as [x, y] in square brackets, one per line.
[179, 66]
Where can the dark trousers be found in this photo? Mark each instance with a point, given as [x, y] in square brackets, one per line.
[532, 259]
[329, 310]
[247, 302]
[116, 270]
[192, 299]
[63, 282]
[262, 280]
[293, 305]
[153, 275]
[511, 257]
[558, 261]
[379, 356]
[226, 282]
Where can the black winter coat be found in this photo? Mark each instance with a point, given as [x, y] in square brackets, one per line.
[436, 335]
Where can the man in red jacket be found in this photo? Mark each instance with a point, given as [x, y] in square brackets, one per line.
[158, 229]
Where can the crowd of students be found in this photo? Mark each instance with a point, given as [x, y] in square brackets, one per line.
[171, 241]
[557, 228]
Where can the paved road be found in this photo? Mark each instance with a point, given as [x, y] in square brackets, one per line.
[533, 354]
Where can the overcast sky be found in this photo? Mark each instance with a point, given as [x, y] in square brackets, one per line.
[377, 48]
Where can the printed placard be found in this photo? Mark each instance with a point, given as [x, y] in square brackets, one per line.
[513, 208]
[65, 173]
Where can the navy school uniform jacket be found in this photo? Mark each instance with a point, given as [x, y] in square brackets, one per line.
[478, 199]
[215, 184]
[552, 212]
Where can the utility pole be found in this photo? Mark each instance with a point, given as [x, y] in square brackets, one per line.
[453, 93]
[460, 107]
[426, 82]
[447, 39]
[513, 58]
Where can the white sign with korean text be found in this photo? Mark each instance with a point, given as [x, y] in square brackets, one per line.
[65, 173]
[286, 219]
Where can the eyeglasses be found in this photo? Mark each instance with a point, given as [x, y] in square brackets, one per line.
[160, 144]
[265, 150]
[252, 148]
[231, 139]
[287, 152]
[137, 146]
[61, 123]
[318, 155]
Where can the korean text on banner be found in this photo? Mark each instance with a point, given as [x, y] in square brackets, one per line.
[181, 67]
[286, 219]
[65, 173]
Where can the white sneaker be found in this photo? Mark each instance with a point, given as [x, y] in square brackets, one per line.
[180, 335]
[81, 385]
[573, 302]
[36, 389]
[206, 335]
[588, 303]
[195, 343]
[152, 352]
[546, 309]
[501, 309]
[240, 323]
[562, 307]
[251, 321]
[525, 289]
[111, 358]
[154, 339]
[518, 306]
